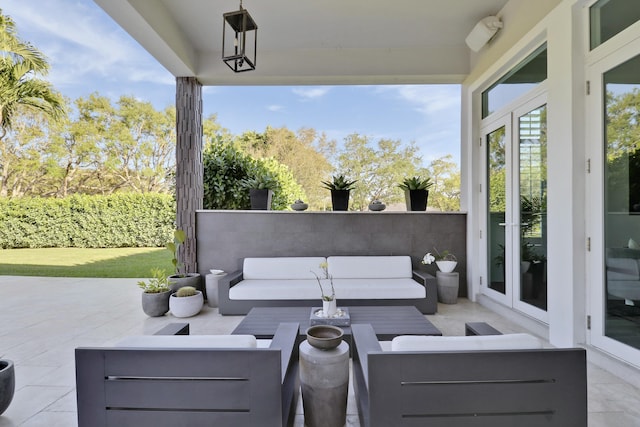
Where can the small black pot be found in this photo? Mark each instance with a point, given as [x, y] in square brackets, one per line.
[340, 200]
[7, 384]
[416, 200]
[260, 199]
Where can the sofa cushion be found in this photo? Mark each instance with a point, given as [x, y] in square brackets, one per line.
[345, 289]
[623, 269]
[189, 341]
[369, 267]
[465, 343]
[282, 268]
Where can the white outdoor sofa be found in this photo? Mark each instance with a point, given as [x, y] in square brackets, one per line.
[358, 281]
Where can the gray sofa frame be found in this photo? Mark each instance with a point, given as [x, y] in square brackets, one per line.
[524, 388]
[189, 387]
[227, 306]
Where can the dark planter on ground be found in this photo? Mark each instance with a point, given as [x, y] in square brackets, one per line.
[155, 304]
[260, 199]
[7, 384]
[416, 199]
[340, 200]
[190, 279]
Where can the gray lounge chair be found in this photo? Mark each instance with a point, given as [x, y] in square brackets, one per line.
[490, 388]
[155, 387]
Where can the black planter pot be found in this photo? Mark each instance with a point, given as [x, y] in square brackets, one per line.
[260, 199]
[340, 200]
[416, 199]
[7, 384]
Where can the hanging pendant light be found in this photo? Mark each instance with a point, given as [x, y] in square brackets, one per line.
[239, 40]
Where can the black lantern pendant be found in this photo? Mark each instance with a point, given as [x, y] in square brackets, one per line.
[239, 51]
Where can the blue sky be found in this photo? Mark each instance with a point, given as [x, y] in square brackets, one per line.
[88, 52]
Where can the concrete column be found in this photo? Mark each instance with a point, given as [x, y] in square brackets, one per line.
[189, 169]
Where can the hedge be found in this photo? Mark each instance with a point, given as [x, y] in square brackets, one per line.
[81, 221]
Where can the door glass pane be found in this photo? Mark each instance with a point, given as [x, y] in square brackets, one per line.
[497, 207]
[522, 78]
[532, 131]
[609, 17]
[622, 202]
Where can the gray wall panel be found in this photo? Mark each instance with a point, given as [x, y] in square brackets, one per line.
[224, 238]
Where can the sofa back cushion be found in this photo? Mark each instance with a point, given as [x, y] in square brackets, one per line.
[189, 341]
[282, 268]
[466, 343]
[369, 267]
[623, 269]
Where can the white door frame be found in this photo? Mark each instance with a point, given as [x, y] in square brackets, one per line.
[508, 117]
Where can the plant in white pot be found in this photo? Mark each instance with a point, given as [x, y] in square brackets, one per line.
[329, 303]
[155, 293]
[180, 279]
[186, 302]
[446, 261]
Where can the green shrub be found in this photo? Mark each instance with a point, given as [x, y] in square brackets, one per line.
[228, 171]
[114, 221]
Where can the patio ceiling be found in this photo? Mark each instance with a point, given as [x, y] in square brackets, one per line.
[311, 42]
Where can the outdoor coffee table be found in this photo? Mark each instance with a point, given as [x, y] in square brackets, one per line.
[387, 322]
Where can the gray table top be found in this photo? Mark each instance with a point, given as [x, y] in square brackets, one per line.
[387, 322]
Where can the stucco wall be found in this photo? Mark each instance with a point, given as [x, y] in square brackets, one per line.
[226, 237]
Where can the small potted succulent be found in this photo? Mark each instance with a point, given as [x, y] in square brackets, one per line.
[186, 302]
[340, 188]
[155, 294]
[260, 191]
[180, 279]
[416, 192]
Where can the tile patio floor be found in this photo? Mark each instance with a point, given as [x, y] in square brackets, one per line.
[42, 320]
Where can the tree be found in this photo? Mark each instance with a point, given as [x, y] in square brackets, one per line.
[21, 64]
[444, 195]
[302, 153]
[225, 167]
[377, 169]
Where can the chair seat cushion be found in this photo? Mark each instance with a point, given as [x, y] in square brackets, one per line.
[189, 341]
[465, 343]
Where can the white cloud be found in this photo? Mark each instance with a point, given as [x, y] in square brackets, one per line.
[275, 108]
[430, 99]
[83, 44]
[311, 93]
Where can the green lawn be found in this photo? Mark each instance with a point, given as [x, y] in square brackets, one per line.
[80, 262]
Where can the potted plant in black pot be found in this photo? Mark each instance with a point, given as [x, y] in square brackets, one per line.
[260, 191]
[416, 192]
[340, 188]
[155, 294]
[180, 279]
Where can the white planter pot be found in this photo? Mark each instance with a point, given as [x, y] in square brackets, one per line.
[186, 306]
[446, 266]
[329, 308]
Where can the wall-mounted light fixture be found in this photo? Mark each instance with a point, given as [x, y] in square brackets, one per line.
[483, 32]
[239, 40]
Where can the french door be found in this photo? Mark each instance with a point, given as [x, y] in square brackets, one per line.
[613, 207]
[515, 198]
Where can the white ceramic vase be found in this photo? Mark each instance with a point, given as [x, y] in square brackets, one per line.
[446, 266]
[329, 308]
